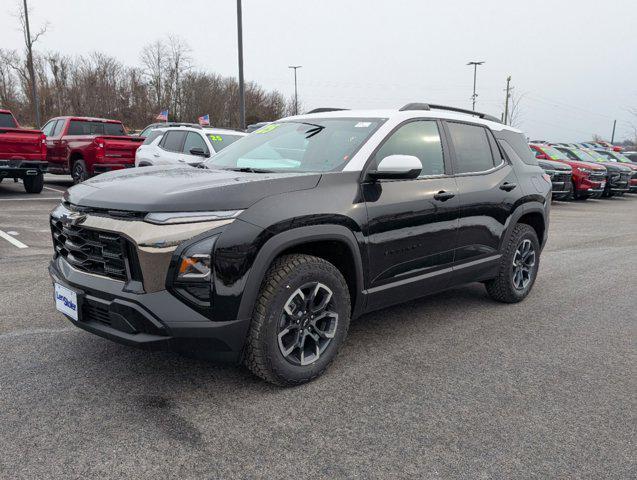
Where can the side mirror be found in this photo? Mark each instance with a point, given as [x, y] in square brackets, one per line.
[397, 167]
[199, 152]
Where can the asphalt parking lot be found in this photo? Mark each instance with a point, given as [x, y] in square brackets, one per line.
[453, 385]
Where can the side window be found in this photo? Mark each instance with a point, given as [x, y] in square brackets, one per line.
[173, 141]
[59, 126]
[194, 140]
[498, 158]
[49, 128]
[420, 139]
[472, 148]
[152, 136]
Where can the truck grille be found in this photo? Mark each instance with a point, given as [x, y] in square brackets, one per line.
[91, 251]
[561, 181]
[597, 176]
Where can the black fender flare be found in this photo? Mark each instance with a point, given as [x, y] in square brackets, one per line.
[273, 247]
[521, 210]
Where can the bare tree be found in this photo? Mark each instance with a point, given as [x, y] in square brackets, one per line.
[516, 113]
[180, 62]
[29, 41]
[154, 57]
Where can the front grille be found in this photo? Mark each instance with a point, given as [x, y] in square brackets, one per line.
[597, 177]
[91, 251]
[561, 181]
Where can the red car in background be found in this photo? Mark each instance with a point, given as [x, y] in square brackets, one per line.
[22, 153]
[83, 146]
[589, 179]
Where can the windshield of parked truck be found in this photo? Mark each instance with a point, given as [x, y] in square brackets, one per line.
[554, 153]
[222, 140]
[7, 121]
[315, 145]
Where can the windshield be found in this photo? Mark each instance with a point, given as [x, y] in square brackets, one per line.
[7, 121]
[222, 140]
[554, 154]
[582, 155]
[318, 145]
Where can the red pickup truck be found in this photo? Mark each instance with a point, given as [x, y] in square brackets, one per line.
[22, 153]
[85, 146]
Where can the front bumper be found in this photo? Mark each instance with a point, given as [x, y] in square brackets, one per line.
[153, 321]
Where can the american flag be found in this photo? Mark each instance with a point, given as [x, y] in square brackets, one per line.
[163, 115]
[204, 120]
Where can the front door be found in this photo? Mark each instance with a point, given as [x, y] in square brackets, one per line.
[411, 230]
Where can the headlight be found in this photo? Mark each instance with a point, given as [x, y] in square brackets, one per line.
[193, 272]
[170, 218]
[585, 170]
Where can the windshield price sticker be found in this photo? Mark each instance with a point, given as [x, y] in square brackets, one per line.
[268, 128]
[215, 138]
[362, 125]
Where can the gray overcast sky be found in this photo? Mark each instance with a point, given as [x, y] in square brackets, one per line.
[576, 62]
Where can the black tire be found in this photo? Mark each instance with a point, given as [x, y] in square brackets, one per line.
[264, 354]
[578, 195]
[34, 184]
[503, 288]
[607, 192]
[79, 172]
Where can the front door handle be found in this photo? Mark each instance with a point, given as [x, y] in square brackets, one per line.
[507, 187]
[443, 196]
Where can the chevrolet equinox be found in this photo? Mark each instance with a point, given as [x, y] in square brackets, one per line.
[265, 253]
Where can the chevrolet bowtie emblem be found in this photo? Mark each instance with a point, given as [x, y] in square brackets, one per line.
[73, 218]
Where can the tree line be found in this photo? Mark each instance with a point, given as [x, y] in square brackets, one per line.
[99, 85]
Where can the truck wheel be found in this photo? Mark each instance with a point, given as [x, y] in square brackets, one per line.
[300, 320]
[34, 184]
[518, 266]
[578, 195]
[79, 172]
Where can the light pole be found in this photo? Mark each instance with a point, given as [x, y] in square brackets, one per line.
[296, 93]
[475, 71]
[242, 99]
[34, 91]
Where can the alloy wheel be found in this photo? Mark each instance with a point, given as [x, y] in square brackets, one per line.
[523, 263]
[308, 324]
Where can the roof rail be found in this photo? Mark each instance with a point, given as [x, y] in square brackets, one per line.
[415, 106]
[430, 106]
[326, 109]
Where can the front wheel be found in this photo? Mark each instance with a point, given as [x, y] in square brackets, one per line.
[518, 266]
[34, 184]
[299, 322]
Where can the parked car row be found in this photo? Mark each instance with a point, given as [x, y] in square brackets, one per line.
[595, 170]
[84, 146]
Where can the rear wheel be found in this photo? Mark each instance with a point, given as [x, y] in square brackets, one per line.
[79, 172]
[34, 184]
[300, 320]
[518, 266]
[577, 195]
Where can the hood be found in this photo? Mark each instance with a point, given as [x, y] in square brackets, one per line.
[589, 165]
[552, 165]
[615, 167]
[183, 188]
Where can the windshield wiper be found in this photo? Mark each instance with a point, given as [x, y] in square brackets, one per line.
[313, 131]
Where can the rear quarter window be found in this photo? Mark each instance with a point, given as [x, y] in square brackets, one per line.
[515, 143]
[7, 120]
[152, 136]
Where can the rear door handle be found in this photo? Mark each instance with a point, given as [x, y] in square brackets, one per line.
[507, 187]
[443, 196]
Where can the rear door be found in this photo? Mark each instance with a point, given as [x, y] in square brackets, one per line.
[171, 147]
[487, 190]
[411, 228]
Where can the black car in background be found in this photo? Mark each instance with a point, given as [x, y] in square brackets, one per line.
[560, 173]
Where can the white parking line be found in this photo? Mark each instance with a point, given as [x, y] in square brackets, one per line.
[54, 189]
[12, 240]
[28, 199]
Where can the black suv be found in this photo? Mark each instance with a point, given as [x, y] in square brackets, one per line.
[265, 255]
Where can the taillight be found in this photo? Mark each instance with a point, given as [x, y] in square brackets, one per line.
[99, 148]
[43, 146]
